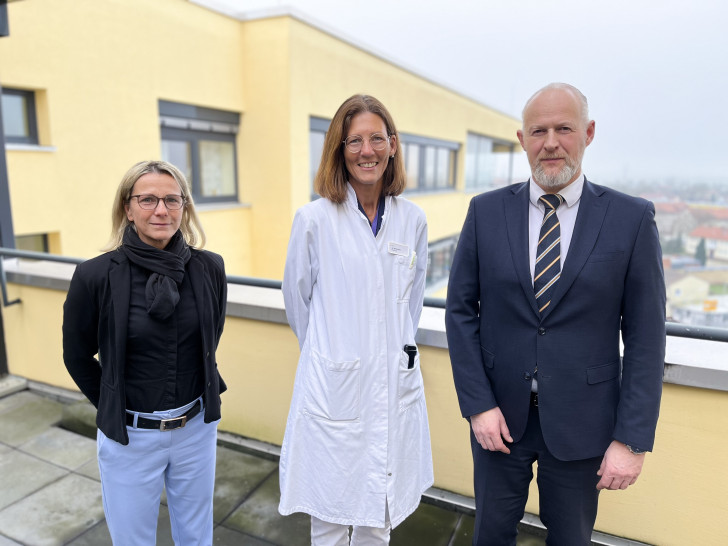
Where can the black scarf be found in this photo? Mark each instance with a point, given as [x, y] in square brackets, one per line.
[167, 267]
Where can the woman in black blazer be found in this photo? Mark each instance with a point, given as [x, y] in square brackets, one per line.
[152, 310]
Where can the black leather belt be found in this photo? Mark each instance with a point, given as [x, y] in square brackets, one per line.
[165, 424]
[534, 399]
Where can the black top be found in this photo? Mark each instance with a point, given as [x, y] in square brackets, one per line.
[96, 319]
[163, 356]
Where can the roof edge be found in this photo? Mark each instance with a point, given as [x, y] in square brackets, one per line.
[294, 13]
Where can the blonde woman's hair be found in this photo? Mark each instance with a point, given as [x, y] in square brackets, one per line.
[190, 227]
[332, 176]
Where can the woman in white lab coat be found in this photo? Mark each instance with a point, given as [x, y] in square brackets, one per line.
[356, 450]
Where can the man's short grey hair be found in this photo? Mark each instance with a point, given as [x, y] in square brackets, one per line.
[557, 85]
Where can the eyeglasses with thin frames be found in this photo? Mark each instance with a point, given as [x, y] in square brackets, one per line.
[354, 143]
[149, 202]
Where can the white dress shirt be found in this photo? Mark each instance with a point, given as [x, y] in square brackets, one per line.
[566, 214]
[567, 218]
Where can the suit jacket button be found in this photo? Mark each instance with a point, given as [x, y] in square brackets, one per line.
[526, 376]
[542, 331]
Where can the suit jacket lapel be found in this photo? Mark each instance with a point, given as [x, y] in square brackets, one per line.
[516, 212]
[589, 220]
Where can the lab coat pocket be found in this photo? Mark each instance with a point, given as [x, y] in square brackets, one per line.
[333, 388]
[405, 273]
[410, 386]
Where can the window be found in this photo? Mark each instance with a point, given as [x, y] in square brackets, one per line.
[19, 120]
[439, 260]
[34, 243]
[317, 134]
[430, 163]
[201, 143]
[488, 162]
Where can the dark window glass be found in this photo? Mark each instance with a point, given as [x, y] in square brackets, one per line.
[19, 121]
[201, 143]
[33, 243]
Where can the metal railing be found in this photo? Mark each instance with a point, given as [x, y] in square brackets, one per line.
[674, 329]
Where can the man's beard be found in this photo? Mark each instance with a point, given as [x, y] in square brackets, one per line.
[558, 180]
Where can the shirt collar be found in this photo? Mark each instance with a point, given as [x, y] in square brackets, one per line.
[571, 193]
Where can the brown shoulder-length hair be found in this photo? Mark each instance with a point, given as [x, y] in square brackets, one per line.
[190, 226]
[331, 177]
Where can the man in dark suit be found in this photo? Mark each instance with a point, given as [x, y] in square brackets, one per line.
[540, 290]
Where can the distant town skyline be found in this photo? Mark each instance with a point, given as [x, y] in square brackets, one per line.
[654, 74]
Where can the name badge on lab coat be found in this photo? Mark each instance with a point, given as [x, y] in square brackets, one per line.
[398, 249]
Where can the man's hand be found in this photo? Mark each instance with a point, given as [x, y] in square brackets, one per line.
[620, 467]
[490, 430]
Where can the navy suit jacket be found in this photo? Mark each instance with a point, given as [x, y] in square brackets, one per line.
[611, 282]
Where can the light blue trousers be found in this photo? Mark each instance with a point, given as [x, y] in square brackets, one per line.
[132, 478]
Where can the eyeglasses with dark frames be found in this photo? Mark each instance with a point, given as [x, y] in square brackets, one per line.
[354, 143]
[148, 201]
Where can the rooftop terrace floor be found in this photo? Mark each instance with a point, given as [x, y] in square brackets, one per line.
[50, 493]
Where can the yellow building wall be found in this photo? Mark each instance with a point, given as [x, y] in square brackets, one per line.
[265, 143]
[326, 71]
[679, 498]
[100, 68]
[97, 88]
[33, 337]
[300, 72]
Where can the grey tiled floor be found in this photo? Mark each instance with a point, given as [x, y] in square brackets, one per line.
[50, 492]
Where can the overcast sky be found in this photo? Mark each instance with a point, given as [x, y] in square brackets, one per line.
[655, 72]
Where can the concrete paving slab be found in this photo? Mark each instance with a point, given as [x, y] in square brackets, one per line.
[80, 417]
[258, 516]
[236, 475]
[10, 384]
[4, 448]
[55, 514]
[427, 525]
[23, 475]
[222, 536]
[464, 531]
[34, 416]
[464, 534]
[164, 528]
[530, 536]
[17, 399]
[98, 535]
[61, 448]
[90, 470]
[524, 539]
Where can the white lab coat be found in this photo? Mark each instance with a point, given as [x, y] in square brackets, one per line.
[357, 435]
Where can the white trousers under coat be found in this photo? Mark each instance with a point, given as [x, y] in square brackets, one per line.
[324, 533]
[133, 476]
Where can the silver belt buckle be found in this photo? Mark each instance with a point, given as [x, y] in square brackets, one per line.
[172, 424]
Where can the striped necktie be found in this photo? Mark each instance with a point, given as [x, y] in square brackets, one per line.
[548, 253]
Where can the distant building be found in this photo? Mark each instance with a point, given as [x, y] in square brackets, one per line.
[673, 219]
[689, 290]
[710, 312]
[716, 242]
[711, 214]
[241, 104]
